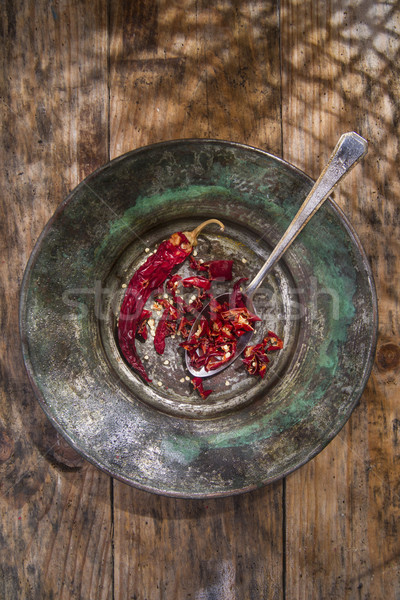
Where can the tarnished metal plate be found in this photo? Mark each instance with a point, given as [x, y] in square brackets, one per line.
[163, 437]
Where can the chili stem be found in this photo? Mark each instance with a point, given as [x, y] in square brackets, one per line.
[192, 235]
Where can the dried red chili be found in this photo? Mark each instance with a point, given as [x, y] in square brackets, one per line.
[197, 282]
[196, 265]
[217, 269]
[197, 383]
[185, 325]
[172, 284]
[166, 327]
[255, 357]
[141, 331]
[220, 269]
[149, 277]
[237, 298]
[196, 305]
[272, 342]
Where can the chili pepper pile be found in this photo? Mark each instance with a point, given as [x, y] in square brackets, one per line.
[215, 340]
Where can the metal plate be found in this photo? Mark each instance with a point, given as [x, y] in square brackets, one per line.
[162, 437]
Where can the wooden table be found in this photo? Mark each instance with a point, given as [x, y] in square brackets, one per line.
[83, 82]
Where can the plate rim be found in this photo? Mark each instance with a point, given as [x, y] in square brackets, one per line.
[357, 390]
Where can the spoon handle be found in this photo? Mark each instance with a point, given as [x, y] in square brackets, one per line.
[348, 151]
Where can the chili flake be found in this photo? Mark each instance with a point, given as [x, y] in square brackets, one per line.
[255, 357]
[197, 383]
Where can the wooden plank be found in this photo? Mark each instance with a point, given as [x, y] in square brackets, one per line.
[55, 511]
[220, 548]
[195, 70]
[340, 72]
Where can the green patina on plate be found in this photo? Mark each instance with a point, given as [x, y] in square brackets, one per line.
[165, 439]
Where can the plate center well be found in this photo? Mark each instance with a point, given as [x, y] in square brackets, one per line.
[171, 390]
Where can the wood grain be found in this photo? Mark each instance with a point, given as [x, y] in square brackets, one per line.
[84, 81]
[225, 548]
[202, 70]
[338, 60]
[55, 512]
[198, 72]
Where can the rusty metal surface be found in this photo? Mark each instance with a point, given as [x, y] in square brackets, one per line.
[162, 437]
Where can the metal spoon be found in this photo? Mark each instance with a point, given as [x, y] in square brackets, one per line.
[348, 151]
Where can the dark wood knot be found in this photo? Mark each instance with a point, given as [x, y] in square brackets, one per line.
[6, 446]
[388, 356]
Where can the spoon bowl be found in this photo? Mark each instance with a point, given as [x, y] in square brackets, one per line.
[242, 341]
